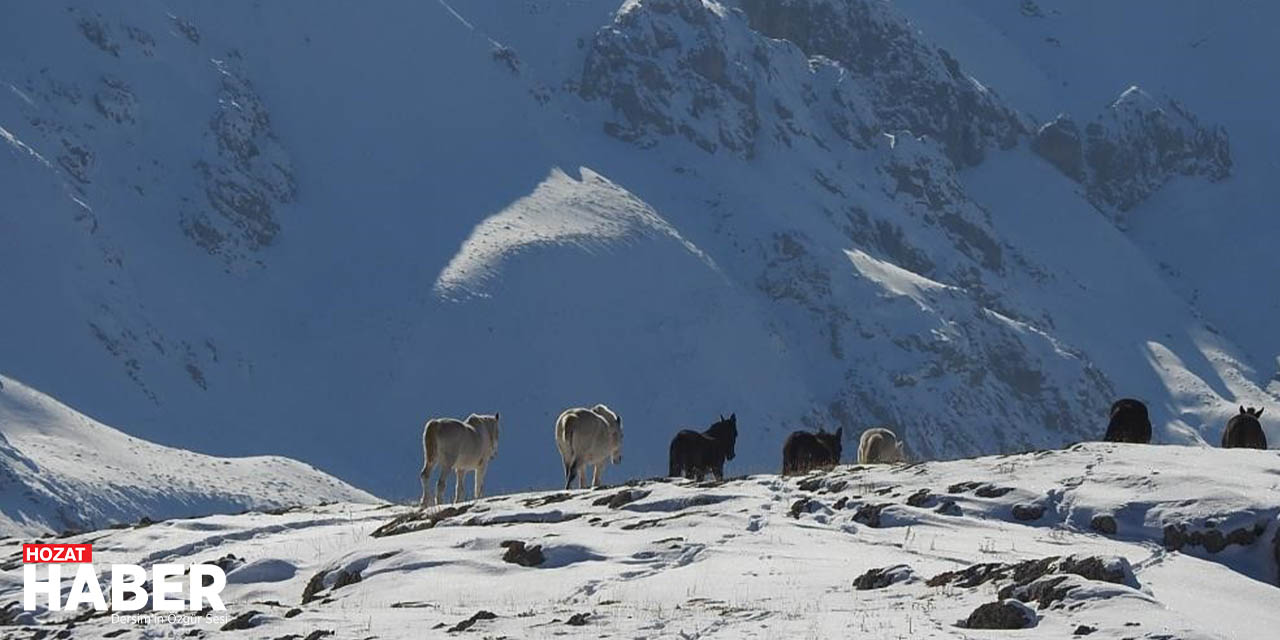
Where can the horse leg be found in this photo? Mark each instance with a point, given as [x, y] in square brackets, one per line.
[440, 482]
[570, 470]
[478, 490]
[457, 485]
[595, 475]
[582, 476]
[425, 476]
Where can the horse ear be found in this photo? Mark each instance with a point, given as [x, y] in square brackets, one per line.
[733, 417]
[1242, 410]
[1258, 413]
[840, 432]
[496, 415]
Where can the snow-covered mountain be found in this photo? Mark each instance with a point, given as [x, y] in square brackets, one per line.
[1100, 540]
[61, 471]
[242, 228]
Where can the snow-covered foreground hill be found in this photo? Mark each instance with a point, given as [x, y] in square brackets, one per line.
[61, 471]
[1112, 541]
[242, 228]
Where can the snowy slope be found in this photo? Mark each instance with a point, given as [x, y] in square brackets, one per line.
[63, 471]
[223, 226]
[763, 556]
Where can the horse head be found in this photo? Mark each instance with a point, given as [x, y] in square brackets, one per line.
[725, 431]
[833, 441]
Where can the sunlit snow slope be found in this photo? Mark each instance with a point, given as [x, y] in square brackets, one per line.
[62, 471]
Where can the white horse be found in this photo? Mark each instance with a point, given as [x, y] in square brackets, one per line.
[460, 446]
[588, 437]
[880, 445]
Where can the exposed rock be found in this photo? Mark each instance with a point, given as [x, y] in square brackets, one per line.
[314, 586]
[624, 497]
[1103, 523]
[869, 514]
[1044, 591]
[1005, 614]
[469, 622]
[1210, 537]
[1058, 141]
[911, 85]
[919, 498]
[1133, 148]
[1028, 511]
[948, 507]
[551, 498]
[883, 577]
[247, 177]
[578, 619]
[346, 578]
[246, 620]
[1114, 569]
[991, 491]
[525, 556]
[418, 520]
[1084, 630]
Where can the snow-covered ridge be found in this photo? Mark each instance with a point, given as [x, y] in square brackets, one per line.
[587, 212]
[220, 223]
[1133, 148]
[61, 471]
[1122, 540]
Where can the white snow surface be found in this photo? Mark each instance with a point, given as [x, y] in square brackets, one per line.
[63, 471]
[760, 556]
[244, 229]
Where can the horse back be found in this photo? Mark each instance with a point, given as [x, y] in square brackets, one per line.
[1244, 431]
[585, 434]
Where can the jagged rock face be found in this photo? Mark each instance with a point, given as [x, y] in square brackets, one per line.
[249, 174]
[911, 85]
[697, 70]
[1135, 146]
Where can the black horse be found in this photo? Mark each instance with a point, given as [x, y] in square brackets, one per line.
[1244, 430]
[1129, 422]
[804, 451]
[694, 455]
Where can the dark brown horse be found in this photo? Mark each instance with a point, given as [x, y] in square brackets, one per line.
[1244, 430]
[1129, 422]
[694, 455]
[805, 451]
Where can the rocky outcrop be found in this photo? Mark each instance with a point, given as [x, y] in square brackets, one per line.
[1133, 148]
[731, 84]
[910, 84]
[884, 576]
[1113, 569]
[1005, 614]
[245, 178]
[525, 555]
[689, 69]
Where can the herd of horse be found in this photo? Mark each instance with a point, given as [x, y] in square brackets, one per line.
[592, 437]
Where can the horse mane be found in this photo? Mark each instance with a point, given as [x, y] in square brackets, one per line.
[724, 428]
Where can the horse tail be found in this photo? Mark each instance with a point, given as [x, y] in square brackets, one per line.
[429, 456]
[570, 470]
[673, 460]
